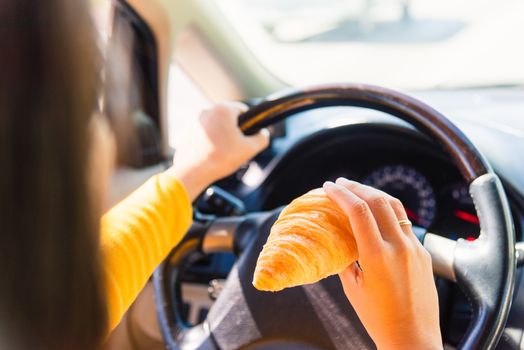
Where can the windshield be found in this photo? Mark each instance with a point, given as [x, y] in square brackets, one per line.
[407, 44]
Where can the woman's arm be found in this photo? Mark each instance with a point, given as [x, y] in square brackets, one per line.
[392, 287]
[138, 233]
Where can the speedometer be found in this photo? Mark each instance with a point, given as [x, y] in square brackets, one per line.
[411, 187]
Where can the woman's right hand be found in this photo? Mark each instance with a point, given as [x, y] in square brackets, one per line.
[393, 291]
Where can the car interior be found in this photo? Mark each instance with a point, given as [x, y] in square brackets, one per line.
[450, 151]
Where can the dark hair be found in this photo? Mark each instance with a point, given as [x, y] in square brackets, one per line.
[51, 293]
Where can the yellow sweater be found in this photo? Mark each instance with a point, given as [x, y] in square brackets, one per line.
[137, 234]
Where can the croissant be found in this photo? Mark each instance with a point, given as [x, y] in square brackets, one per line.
[312, 239]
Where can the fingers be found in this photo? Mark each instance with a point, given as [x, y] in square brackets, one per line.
[260, 140]
[242, 107]
[365, 229]
[235, 107]
[380, 204]
[401, 214]
[227, 111]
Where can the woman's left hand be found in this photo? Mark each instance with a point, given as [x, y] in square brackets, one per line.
[215, 147]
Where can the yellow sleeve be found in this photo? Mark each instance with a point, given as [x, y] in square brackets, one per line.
[137, 234]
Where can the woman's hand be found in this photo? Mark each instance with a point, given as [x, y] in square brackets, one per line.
[215, 147]
[393, 291]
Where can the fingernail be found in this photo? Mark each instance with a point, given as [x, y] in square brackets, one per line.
[329, 184]
[345, 181]
[265, 132]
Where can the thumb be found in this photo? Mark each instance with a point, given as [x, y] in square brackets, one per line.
[260, 140]
[350, 278]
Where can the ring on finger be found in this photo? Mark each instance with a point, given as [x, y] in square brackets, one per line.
[404, 222]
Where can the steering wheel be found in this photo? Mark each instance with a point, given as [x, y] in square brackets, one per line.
[318, 316]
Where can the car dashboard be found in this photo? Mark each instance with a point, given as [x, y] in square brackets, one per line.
[386, 153]
[395, 160]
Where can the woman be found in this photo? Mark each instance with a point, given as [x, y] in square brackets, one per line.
[68, 277]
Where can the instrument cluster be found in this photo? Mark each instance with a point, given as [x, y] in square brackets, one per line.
[411, 187]
[446, 210]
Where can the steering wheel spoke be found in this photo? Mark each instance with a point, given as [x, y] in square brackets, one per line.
[233, 234]
[219, 236]
[442, 251]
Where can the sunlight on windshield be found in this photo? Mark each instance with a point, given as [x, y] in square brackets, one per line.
[410, 44]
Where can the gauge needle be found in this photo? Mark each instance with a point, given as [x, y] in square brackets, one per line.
[411, 215]
[465, 216]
